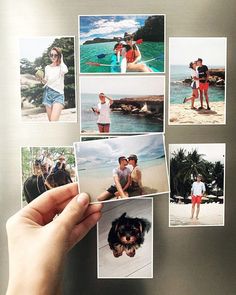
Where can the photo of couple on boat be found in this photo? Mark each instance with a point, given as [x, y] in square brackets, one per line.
[118, 168]
[122, 44]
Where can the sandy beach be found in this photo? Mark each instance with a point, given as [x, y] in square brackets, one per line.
[155, 180]
[183, 114]
[36, 115]
[210, 214]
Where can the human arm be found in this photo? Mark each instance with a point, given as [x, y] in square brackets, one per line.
[63, 66]
[128, 183]
[139, 177]
[118, 186]
[110, 99]
[38, 239]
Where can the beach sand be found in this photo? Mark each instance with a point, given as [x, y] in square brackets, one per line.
[182, 114]
[36, 115]
[154, 178]
[210, 214]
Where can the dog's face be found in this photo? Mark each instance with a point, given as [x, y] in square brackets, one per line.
[129, 230]
[127, 234]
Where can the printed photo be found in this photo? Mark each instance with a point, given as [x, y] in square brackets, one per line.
[122, 43]
[197, 184]
[47, 79]
[125, 240]
[113, 105]
[197, 81]
[88, 138]
[44, 168]
[124, 167]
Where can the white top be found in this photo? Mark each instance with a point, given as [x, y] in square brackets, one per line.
[122, 174]
[198, 188]
[55, 77]
[194, 74]
[135, 175]
[104, 113]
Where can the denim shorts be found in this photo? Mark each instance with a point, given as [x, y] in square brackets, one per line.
[51, 96]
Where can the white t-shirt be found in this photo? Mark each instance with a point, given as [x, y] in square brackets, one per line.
[198, 188]
[122, 174]
[194, 74]
[104, 113]
[55, 77]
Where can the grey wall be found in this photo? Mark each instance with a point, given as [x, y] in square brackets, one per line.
[186, 260]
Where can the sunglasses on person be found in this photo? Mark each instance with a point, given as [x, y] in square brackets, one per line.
[53, 55]
[128, 39]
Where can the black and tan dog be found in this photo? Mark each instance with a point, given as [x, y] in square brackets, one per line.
[127, 234]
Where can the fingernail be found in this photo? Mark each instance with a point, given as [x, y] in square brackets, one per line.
[83, 199]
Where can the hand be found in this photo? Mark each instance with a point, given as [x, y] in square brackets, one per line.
[38, 239]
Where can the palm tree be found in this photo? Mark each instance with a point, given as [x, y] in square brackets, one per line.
[218, 176]
[194, 165]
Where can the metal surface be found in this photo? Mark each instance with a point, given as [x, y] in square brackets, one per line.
[186, 260]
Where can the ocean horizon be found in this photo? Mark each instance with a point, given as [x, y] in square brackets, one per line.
[120, 123]
[178, 91]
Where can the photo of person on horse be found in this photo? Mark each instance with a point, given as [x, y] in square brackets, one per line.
[44, 168]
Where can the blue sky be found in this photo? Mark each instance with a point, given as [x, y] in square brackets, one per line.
[105, 152]
[109, 26]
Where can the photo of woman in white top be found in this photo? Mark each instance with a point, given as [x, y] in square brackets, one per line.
[103, 111]
[194, 85]
[53, 96]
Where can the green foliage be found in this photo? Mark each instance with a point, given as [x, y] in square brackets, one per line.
[184, 168]
[34, 94]
[153, 29]
[30, 154]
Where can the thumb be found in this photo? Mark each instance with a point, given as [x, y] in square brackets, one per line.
[74, 211]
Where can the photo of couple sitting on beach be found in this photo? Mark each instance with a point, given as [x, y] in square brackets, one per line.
[136, 106]
[122, 44]
[197, 81]
[124, 167]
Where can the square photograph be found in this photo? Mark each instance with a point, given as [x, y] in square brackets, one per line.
[117, 168]
[113, 105]
[197, 81]
[125, 240]
[44, 168]
[47, 79]
[197, 184]
[122, 43]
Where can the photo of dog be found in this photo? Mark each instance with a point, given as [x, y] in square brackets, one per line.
[125, 239]
[127, 234]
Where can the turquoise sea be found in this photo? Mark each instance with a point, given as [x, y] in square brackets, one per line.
[120, 123]
[178, 91]
[88, 53]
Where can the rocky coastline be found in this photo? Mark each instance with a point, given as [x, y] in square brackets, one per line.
[148, 106]
[216, 78]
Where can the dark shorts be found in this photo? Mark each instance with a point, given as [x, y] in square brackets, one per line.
[104, 124]
[193, 85]
[112, 189]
